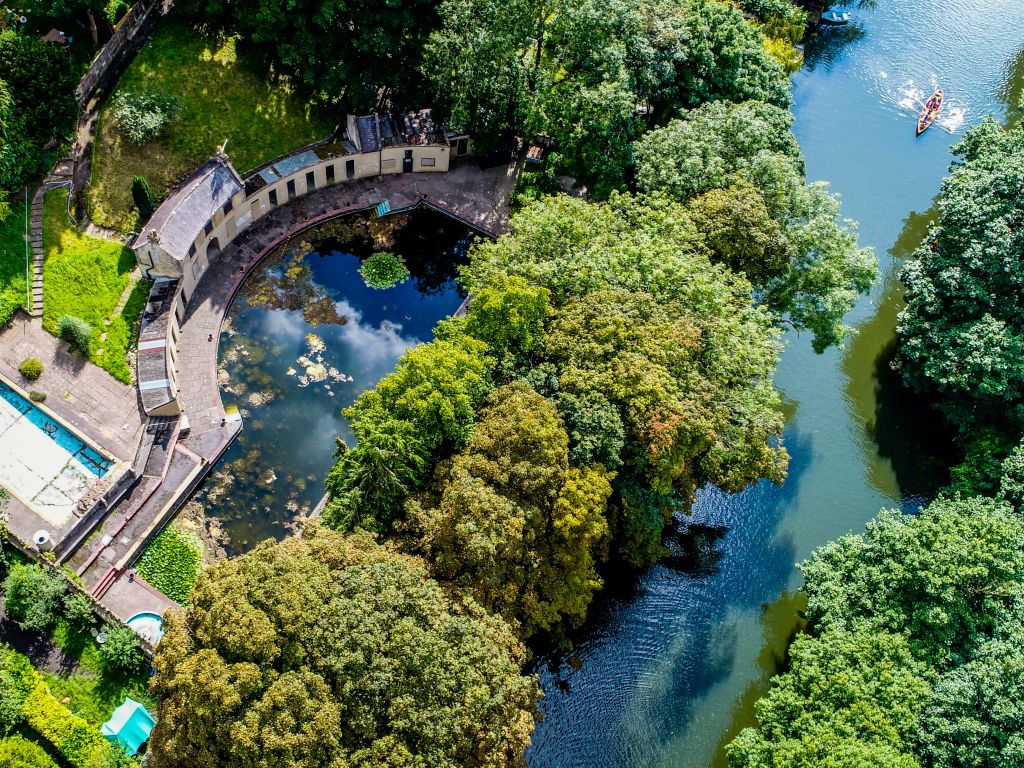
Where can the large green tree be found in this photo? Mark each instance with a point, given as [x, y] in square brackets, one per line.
[361, 53]
[334, 651]
[915, 656]
[37, 104]
[961, 335]
[510, 521]
[740, 169]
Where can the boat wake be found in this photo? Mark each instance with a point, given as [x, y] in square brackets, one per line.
[911, 97]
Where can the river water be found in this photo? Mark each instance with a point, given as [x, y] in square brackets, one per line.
[669, 665]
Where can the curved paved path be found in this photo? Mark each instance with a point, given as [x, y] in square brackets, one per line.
[477, 197]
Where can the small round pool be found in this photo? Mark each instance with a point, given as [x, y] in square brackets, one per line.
[148, 626]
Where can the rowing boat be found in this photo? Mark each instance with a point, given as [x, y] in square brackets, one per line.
[931, 110]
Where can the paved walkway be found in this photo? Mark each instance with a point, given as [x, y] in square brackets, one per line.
[479, 198]
[81, 394]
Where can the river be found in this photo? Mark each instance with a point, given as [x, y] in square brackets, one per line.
[670, 663]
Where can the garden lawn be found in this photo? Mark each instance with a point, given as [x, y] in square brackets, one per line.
[94, 695]
[220, 97]
[13, 284]
[85, 277]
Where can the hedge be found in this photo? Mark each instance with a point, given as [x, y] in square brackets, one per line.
[78, 741]
[17, 752]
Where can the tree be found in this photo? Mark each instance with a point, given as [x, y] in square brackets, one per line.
[509, 520]
[142, 197]
[961, 335]
[17, 679]
[475, 64]
[740, 168]
[334, 650]
[848, 700]
[37, 104]
[363, 54]
[945, 577]
[643, 322]
[120, 652]
[33, 596]
[699, 51]
[16, 752]
[975, 716]
[369, 483]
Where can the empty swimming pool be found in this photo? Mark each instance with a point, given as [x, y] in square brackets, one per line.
[43, 463]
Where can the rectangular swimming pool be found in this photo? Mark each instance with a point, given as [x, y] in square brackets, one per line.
[42, 462]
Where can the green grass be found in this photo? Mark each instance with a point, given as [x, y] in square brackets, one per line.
[13, 285]
[220, 96]
[94, 694]
[85, 277]
[171, 563]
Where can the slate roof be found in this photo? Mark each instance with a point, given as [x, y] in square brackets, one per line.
[191, 205]
[154, 378]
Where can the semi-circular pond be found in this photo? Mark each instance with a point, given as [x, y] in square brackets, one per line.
[303, 337]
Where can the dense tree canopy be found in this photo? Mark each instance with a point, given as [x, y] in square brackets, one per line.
[915, 658]
[510, 521]
[740, 169]
[37, 104]
[629, 372]
[362, 53]
[590, 75]
[334, 651]
[962, 332]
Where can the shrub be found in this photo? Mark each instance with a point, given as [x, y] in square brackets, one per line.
[383, 270]
[78, 611]
[31, 368]
[77, 740]
[37, 397]
[120, 652]
[142, 196]
[17, 679]
[141, 116]
[76, 332]
[115, 10]
[171, 563]
[33, 596]
[17, 752]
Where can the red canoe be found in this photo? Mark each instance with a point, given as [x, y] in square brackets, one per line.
[931, 110]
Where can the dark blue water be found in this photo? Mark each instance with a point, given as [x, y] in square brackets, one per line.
[669, 666]
[303, 338]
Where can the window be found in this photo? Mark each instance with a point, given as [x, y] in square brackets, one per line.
[209, 227]
[330, 173]
[228, 206]
[273, 197]
[350, 169]
[310, 181]
[192, 250]
[427, 162]
[291, 189]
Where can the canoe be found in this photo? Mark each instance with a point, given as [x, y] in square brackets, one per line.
[835, 18]
[931, 110]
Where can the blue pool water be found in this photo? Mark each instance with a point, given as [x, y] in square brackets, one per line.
[90, 459]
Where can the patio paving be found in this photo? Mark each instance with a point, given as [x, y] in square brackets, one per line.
[79, 393]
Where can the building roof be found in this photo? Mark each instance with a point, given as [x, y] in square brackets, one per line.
[151, 355]
[190, 206]
[405, 129]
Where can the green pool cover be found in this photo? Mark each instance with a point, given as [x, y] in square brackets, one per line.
[129, 726]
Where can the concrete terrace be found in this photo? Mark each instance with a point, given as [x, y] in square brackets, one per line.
[83, 396]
